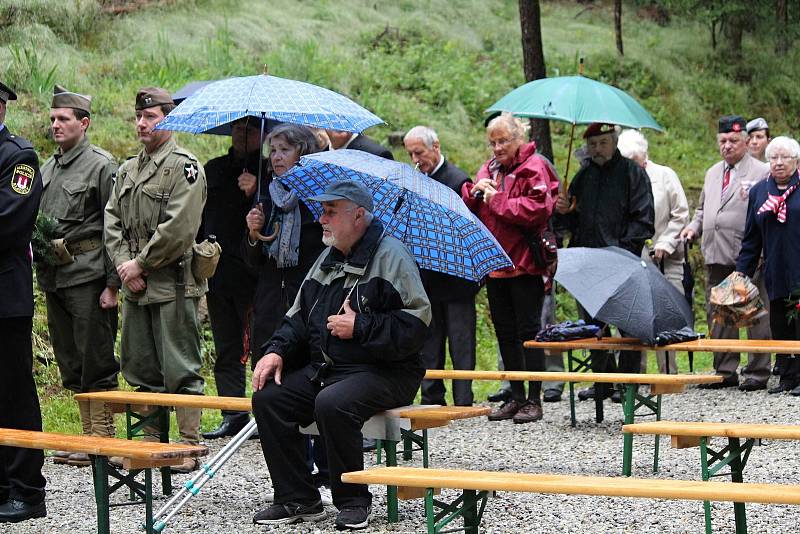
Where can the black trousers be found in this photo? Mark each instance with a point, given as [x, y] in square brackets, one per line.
[340, 406]
[20, 469]
[782, 328]
[515, 305]
[228, 315]
[453, 324]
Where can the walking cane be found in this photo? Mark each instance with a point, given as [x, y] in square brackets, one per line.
[207, 471]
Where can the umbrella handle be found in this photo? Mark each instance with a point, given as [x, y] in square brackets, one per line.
[276, 229]
[565, 181]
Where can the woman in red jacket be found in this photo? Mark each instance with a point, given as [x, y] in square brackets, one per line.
[513, 195]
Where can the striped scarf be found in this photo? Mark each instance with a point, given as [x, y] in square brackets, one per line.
[777, 204]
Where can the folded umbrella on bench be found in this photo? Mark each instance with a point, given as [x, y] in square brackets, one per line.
[568, 330]
[676, 336]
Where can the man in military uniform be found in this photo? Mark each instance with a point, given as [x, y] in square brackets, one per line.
[81, 287]
[152, 219]
[21, 480]
[231, 186]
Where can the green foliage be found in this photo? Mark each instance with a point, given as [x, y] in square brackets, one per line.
[29, 70]
[44, 232]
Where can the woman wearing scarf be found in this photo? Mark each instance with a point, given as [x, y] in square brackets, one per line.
[513, 195]
[773, 229]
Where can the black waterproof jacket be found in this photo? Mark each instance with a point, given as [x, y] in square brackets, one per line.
[392, 310]
[614, 206]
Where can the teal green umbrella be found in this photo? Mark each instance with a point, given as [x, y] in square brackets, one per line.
[576, 100]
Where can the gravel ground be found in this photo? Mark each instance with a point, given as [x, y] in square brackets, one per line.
[549, 446]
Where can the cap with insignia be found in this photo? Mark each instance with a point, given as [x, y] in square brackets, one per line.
[598, 128]
[731, 123]
[757, 124]
[6, 93]
[149, 97]
[67, 99]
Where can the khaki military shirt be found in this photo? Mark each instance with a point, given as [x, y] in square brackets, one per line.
[153, 216]
[77, 185]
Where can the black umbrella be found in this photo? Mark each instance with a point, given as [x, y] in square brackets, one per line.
[623, 290]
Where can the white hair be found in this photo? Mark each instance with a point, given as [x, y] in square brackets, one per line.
[632, 143]
[786, 143]
[425, 134]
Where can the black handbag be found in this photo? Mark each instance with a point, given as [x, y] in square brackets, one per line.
[544, 248]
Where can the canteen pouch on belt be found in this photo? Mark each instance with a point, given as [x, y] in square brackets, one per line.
[205, 257]
[61, 253]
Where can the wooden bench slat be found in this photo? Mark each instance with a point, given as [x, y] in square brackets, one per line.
[444, 412]
[238, 404]
[540, 376]
[727, 430]
[577, 485]
[135, 450]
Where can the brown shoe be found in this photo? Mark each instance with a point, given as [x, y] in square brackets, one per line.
[61, 457]
[188, 465]
[505, 411]
[529, 413]
[79, 459]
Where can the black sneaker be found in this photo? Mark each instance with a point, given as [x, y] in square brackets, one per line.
[291, 512]
[353, 517]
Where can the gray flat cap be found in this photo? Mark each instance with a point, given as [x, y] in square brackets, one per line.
[757, 124]
[346, 190]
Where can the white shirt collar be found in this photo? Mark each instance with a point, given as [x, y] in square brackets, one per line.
[352, 138]
[438, 165]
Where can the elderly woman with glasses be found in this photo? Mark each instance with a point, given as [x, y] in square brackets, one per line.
[773, 230]
[513, 195]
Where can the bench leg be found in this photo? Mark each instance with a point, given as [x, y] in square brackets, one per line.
[657, 443]
[466, 506]
[430, 516]
[571, 367]
[735, 456]
[100, 475]
[705, 475]
[391, 491]
[470, 512]
[410, 439]
[159, 418]
[628, 409]
[737, 466]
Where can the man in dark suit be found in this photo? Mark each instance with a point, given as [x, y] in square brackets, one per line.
[21, 481]
[355, 141]
[452, 299]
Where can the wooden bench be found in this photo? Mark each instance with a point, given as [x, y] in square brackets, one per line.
[734, 455]
[136, 457]
[634, 404]
[476, 486]
[409, 424]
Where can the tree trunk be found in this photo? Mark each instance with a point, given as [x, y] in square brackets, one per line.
[781, 24]
[714, 34]
[618, 25]
[733, 24]
[534, 66]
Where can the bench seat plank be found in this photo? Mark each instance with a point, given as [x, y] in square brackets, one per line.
[237, 404]
[726, 430]
[438, 413]
[577, 485]
[99, 446]
[539, 376]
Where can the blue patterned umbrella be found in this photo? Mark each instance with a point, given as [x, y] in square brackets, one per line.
[212, 107]
[431, 219]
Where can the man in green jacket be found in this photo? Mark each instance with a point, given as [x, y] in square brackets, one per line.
[79, 282]
[152, 218]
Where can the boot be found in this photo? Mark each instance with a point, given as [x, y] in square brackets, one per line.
[102, 419]
[189, 428]
[80, 459]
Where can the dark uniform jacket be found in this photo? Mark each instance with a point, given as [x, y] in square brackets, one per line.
[365, 144]
[442, 287]
[224, 217]
[614, 206]
[392, 309]
[20, 193]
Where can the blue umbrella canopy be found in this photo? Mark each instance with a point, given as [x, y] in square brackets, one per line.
[430, 218]
[576, 100]
[621, 289]
[269, 98]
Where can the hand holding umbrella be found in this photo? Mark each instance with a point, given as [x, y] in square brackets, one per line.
[255, 222]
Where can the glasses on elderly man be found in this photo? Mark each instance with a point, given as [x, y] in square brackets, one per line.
[778, 157]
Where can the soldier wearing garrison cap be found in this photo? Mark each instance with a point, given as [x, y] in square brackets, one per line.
[21, 481]
[613, 207]
[152, 219]
[79, 282]
[719, 219]
[758, 138]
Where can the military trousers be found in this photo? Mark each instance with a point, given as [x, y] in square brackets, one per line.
[159, 352]
[20, 469]
[83, 336]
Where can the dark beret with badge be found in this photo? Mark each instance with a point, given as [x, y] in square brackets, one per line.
[6, 93]
[731, 123]
[598, 128]
[149, 97]
[62, 98]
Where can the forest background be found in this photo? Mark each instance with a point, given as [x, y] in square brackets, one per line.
[434, 62]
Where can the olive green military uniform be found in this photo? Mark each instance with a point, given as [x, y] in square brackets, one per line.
[153, 216]
[77, 185]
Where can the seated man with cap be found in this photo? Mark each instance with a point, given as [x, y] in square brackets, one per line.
[614, 207]
[758, 138]
[347, 349]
